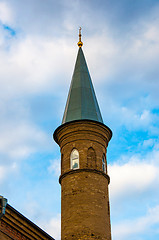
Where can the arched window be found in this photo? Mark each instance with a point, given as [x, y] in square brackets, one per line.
[103, 163]
[61, 162]
[74, 158]
[91, 158]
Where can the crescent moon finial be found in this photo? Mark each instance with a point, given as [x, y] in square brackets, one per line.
[80, 43]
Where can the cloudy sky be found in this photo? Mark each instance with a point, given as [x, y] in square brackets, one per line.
[38, 49]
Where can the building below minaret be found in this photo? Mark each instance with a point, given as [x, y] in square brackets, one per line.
[15, 226]
[83, 139]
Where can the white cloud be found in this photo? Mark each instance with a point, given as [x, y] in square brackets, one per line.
[55, 167]
[17, 142]
[135, 120]
[53, 227]
[106, 53]
[129, 178]
[135, 175]
[32, 207]
[19, 135]
[6, 14]
[131, 229]
[133, 189]
[6, 170]
[20, 140]
[32, 65]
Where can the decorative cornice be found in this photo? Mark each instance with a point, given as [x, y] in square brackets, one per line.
[84, 121]
[84, 170]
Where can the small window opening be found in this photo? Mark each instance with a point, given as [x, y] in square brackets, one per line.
[74, 159]
[103, 164]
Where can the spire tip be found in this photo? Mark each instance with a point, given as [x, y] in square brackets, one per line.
[80, 43]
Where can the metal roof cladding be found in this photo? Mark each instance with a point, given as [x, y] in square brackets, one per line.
[81, 102]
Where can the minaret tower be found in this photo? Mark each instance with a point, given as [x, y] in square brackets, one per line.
[83, 139]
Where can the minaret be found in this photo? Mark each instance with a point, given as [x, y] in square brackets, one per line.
[83, 139]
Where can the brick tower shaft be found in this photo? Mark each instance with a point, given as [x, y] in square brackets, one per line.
[85, 210]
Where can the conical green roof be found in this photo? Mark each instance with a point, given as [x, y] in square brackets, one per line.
[81, 102]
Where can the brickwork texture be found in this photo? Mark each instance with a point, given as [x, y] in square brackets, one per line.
[85, 210]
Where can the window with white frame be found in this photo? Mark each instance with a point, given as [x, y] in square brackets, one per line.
[103, 163]
[74, 158]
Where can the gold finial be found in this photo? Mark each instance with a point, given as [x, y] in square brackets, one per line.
[80, 43]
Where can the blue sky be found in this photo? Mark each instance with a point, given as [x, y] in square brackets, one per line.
[38, 49]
